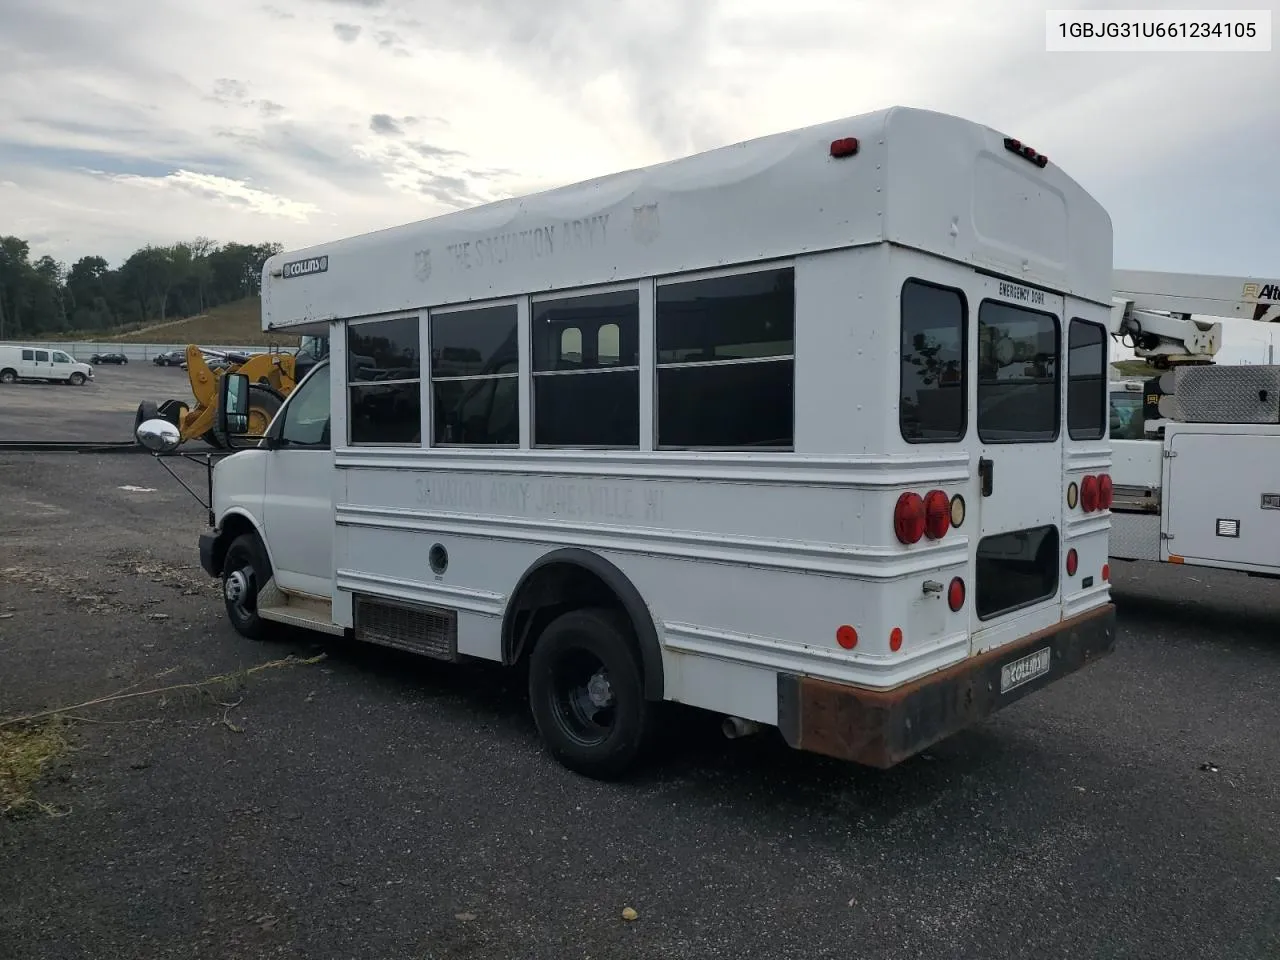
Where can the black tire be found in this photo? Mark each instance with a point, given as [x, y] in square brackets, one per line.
[244, 570]
[574, 648]
[147, 410]
[8, 376]
[264, 399]
[76, 379]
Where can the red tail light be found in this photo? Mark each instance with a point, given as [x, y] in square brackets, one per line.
[1073, 563]
[1089, 493]
[909, 518]
[955, 595]
[1106, 571]
[1105, 492]
[937, 514]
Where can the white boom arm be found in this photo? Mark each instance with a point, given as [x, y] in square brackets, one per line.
[1152, 311]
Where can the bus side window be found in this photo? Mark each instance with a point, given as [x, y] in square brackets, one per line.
[475, 376]
[580, 398]
[726, 361]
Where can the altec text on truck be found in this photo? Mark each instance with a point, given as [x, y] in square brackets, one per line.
[792, 431]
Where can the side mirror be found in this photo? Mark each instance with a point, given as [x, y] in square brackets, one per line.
[158, 436]
[233, 405]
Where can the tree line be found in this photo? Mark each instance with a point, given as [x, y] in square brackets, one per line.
[155, 283]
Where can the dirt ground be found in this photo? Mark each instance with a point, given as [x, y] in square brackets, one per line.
[372, 806]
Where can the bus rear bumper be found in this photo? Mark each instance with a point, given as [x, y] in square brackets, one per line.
[881, 728]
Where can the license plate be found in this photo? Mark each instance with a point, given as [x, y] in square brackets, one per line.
[1025, 670]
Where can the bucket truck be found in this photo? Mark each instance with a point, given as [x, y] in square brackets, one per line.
[1198, 482]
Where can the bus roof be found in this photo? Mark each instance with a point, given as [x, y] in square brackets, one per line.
[921, 179]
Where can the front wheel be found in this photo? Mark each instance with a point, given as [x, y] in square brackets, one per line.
[244, 571]
[586, 691]
[77, 379]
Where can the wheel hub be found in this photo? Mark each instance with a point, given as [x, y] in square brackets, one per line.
[237, 586]
[599, 690]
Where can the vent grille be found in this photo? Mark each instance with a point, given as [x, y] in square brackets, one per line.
[428, 631]
[1228, 394]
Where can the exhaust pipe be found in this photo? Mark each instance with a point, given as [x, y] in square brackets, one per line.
[735, 727]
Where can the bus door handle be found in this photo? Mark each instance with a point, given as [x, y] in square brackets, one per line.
[986, 472]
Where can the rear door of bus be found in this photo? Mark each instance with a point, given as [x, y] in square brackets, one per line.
[1017, 426]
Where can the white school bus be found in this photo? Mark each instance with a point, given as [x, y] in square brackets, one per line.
[792, 431]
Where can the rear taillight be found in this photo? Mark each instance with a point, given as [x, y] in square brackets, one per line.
[955, 595]
[937, 514]
[909, 518]
[1073, 563]
[1089, 494]
[1096, 493]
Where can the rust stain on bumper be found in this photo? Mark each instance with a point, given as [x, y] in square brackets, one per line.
[883, 728]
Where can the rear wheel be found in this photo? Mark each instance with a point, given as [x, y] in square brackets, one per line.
[586, 691]
[8, 376]
[244, 570]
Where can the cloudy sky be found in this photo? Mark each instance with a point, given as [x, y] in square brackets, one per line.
[137, 121]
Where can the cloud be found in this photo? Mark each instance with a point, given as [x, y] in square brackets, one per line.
[223, 190]
[148, 122]
[385, 124]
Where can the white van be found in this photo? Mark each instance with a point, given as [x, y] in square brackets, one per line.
[792, 431]
[39, 363]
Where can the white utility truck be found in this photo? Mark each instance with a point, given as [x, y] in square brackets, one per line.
[19, 362]
[1197, 479]
[783, 431]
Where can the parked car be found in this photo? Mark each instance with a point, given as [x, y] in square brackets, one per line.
[38, 363]
[108, 358]
[170, 358]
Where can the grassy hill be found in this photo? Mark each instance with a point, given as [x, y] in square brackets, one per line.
[237, 323]
[1135, 368]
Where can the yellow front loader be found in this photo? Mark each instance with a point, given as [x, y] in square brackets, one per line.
[272, 377]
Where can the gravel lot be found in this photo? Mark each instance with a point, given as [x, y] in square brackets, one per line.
[374, 806]
[102, 409]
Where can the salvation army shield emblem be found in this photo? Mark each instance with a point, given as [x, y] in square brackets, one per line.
[644, 223]
[422, 265]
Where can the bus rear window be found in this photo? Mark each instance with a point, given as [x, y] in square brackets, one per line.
[1015, 570]
[1087, 381]
[932, 389]
[1018, 356]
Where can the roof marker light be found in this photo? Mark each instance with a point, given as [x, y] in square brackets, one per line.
[845, 147]
[1022, 150]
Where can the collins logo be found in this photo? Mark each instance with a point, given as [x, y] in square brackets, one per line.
[301, 268]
